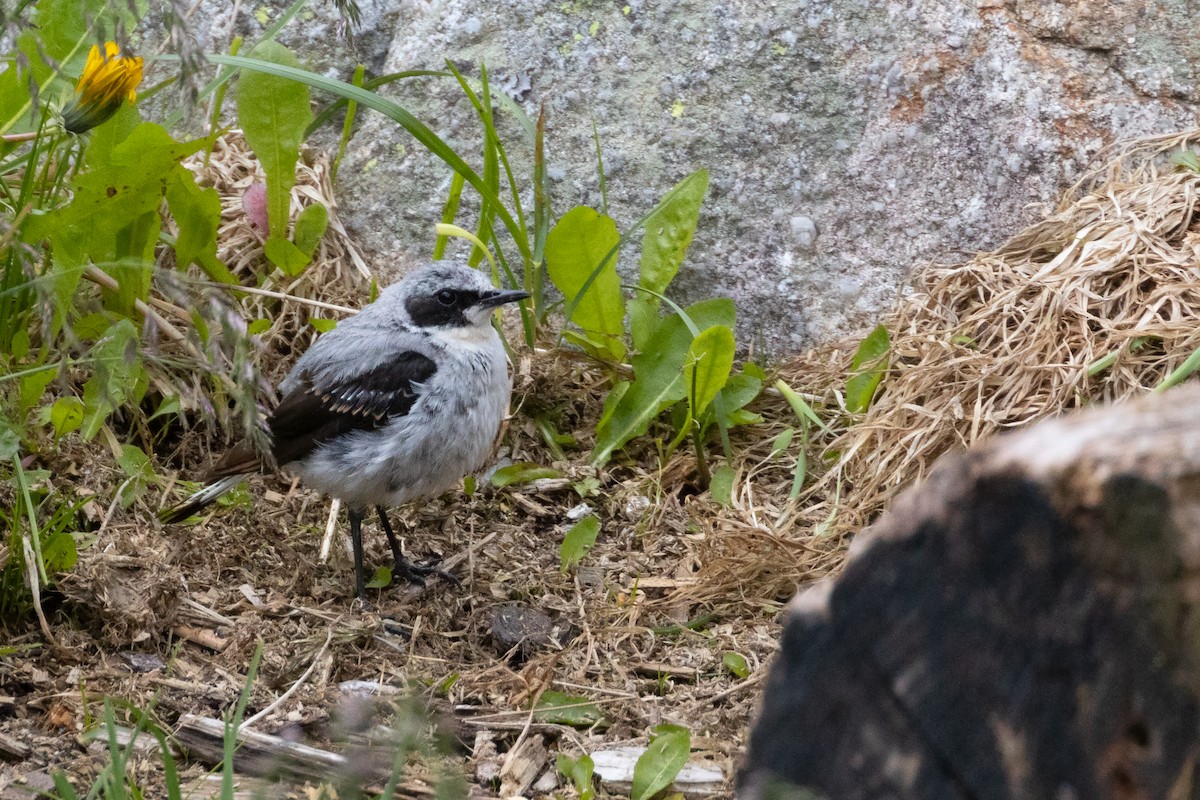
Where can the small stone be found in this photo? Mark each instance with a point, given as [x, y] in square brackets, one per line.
[547, 783]
[143, 662]
[528, 630]
[805, 231]
[579, 512]
[515, 626]
[636, 506]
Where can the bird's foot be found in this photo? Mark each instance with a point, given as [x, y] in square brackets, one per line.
[417, 573]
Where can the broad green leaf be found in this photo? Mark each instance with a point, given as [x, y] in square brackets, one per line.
[381, 579]
[273, 113]
[285, 255]
[575, 247]
[868, 366]
[658, 766]
[659, 377]
[707, 366]
[736, 664]
[10, 440]
[579, 541]
[721, 485]
[522, 472]
[310, 228]
[34, 386]
[117, 375]
[782, 442]
[668, 234]
[1187, 159]
[322, 325]
[169, 405]
[66, 415]
[125, 184]
[197, 213]
[259, 326]
[579, 772]
[134, 463]
[59, 553]
[560, 708]
[740, 390]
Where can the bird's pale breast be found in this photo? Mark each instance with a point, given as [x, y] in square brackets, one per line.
[448, 433]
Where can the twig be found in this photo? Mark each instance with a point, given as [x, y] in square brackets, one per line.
[335, 508]
[112, 507]
[101, 278]
[280, 296]
[278, 701]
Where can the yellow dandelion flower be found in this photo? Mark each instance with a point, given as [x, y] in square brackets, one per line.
[108, 80]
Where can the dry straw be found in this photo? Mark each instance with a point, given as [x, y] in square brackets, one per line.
[1098, 302]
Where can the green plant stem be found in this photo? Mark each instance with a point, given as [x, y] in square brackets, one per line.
[214, 119]
[1180, 373]
[703, 476]
[449, 212]
[347, 124]
[417, 129]
[35, 539]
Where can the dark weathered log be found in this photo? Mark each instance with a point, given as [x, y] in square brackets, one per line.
[1023, 625]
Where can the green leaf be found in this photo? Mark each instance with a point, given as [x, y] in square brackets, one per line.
[707, 366]
[659, 377]
[1187, 159]
[259, 326]
[522, 472]
[66, 415]
[578, 541]
[381, 579]
[273, 112]
[782, 442]
[322, 325]
[310, 228]
[169, 405]
[658, 766]
[736, 664]
[739, 391]
[117, 375]
[721, 485]
[59, 552]
[579, 771]
[197, 213]
[10, 440]
[134, 463]
[575, 247]
[33, 386]
[560, 708]
[668, 234]
[868, 365]
[285, 255]
[113, 217]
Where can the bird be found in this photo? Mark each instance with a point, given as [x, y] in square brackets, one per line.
[394, 404]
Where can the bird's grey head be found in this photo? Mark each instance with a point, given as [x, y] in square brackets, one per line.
[449, 294]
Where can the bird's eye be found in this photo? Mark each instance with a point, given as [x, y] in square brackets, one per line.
[447, 297]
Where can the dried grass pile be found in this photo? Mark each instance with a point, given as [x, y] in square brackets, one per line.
[1098, 302]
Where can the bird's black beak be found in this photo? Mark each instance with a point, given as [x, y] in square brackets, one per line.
[502, 297]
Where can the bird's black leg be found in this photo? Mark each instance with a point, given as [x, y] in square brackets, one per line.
[413, 573]
[360, 583]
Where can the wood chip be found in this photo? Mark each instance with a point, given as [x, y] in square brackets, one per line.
[261, 754]
[12, 749]
[523, 767]
[202, 637]
[656, 668]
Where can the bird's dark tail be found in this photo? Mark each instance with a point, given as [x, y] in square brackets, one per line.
[201, 499]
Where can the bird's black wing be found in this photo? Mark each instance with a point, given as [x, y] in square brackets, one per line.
[320, 409]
